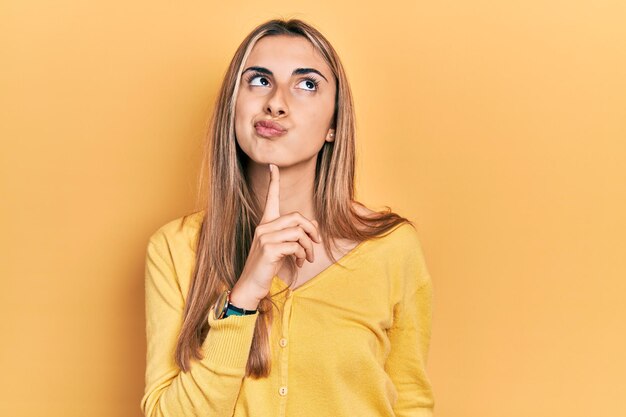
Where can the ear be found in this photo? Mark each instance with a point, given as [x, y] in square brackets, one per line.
[330, 136]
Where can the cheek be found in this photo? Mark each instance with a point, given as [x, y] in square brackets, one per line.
[318, 111]
[314, 120]
[239, 106]
[245, 100]
[240, 122]
[243, 111]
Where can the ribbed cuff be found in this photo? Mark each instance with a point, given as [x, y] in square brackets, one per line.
[229, 340]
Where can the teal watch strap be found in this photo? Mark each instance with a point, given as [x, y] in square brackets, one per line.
[231, 310]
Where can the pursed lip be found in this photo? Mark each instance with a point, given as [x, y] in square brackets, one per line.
[270, 125]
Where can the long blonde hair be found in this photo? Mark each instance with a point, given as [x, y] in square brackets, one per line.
[232, 211]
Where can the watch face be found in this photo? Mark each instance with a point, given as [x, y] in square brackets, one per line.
[221, 304]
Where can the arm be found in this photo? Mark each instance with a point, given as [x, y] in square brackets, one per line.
[410, 338]
[211, 386]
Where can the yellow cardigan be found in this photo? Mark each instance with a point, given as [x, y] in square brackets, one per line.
[349, 342]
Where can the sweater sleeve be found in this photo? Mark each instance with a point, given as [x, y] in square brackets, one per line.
[410, 338]
[211, 386]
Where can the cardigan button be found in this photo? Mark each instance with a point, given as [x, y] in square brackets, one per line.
[282, 391]
[283, 342]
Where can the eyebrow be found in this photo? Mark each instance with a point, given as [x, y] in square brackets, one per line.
[297, 71]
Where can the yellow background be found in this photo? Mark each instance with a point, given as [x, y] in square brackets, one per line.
[498, 127]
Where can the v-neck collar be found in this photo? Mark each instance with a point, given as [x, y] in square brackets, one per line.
[346, 257]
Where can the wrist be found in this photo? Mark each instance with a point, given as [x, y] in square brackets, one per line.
[241, 299]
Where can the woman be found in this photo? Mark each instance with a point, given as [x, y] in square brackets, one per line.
[237, 322]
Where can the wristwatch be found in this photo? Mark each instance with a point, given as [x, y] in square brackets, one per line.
[223, 308]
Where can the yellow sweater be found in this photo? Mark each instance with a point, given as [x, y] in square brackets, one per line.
[348, 343]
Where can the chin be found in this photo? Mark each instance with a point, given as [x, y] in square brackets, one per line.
[262, 158]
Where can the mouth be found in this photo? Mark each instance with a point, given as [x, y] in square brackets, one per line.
[269, 129]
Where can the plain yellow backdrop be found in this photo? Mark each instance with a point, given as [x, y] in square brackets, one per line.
[497, 127]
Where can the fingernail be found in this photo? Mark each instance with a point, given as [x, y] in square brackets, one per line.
[270, 167]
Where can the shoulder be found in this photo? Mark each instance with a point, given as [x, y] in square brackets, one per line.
[406, 254]
[400, 244]
[405, 235]
[181, 232]
[399, 252]
[400, 241]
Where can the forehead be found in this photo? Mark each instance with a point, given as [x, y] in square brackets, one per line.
[282, 54]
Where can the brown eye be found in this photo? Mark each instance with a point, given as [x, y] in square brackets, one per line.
[262, 80]
[310, 84]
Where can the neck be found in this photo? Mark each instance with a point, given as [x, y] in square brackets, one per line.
[296, 186]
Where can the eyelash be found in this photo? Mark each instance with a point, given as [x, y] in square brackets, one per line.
[258, 74]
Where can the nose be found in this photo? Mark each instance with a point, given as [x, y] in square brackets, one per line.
[276, 104]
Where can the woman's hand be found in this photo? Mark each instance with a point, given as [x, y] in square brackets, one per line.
[275, 238]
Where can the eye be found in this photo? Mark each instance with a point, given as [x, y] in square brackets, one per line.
[310, 84]
[262, 79]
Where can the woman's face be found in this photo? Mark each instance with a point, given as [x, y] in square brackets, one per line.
[285, 80]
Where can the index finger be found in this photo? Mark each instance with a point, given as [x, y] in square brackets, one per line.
[272, 202]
